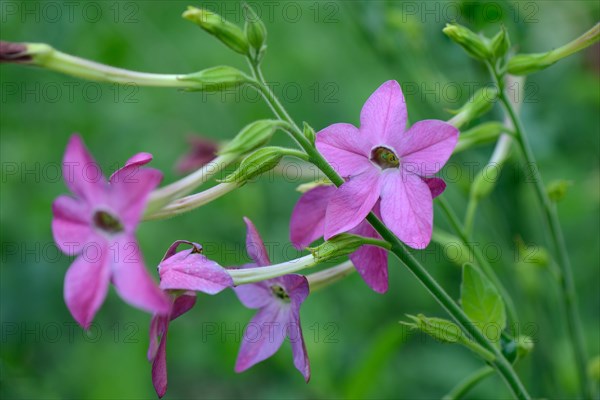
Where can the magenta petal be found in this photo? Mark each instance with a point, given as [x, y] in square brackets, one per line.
[81, 172]
[426, 146]
[371, 262]
[254, 295]
[255, 246]
[384, 114]
[264, 335]
[352, 202]
[301, 361]
[159, 367]
[86, 283]
[297, 288]
[136, 161]
[436, 185]
[157, 327]
[182, 304]
[133, 282]
[345, 148]
[407, 208]
[308, 218]
[129, 194]
[188, 270]
[71, 224]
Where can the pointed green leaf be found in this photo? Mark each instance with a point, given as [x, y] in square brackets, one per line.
[482, 303]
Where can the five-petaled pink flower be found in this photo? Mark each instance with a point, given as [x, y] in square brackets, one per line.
[278, 302]
[384, 161]
[98, 225]
[182, 274]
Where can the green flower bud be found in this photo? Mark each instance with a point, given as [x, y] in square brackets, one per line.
[480, 103]
[481, 134]
[441, 329]
[337, 246]
[500, 43]
[475, 45]
[524, 345]
[228, 33]
[253, 136]
[24, 53]
[309, 132]
[256, 32]
[558, 189]
[525, 64]
[216, 79]
[259, 162]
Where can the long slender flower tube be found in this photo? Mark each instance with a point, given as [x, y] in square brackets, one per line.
[182, 274]
[307, 224]
[98, 226]
[278, 302]
[382, 161]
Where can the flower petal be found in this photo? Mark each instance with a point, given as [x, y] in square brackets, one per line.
[71, 224]
[383, 116]
[158, 324]
[352, 202]
[132, 281]
[436, 185]
[82, 175]
[254, 295]
[86, 283]
[371, 262]
[129, 193]
[426, 146]
[296, 286]
[159, 366]
[308, 218]
[345, 148]
[255, 246]
[264, 335]
[188, 270]
[407, 208]
[182, 304]
[134, 162]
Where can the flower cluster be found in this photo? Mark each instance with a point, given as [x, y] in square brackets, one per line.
[386, 171]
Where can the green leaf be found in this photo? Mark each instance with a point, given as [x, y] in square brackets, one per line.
[482, 303]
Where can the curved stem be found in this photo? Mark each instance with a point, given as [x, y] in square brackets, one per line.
[567, 286]
[503, 367]
[468, 383]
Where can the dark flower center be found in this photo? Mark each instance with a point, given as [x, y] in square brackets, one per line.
[280, 292]
[107, 222]
[384, 157]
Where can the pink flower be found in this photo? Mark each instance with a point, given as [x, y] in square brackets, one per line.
[98, 225]
[184, 272]
[384, 162]
[308, 224]
[278, 302]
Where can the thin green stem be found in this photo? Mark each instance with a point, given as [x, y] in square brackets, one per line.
[567, 285]
[468, 383]
[479, 257]
[500, 363]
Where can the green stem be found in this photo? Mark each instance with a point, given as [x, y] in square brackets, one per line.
[567, 286]
[479, 257]
[503, 367]
[468, 383]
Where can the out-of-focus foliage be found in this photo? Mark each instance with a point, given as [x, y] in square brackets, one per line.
[323, 59]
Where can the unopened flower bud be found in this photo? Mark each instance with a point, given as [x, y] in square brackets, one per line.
[253, 136]
[524, 345]
[256, 32]
[257, 163]
[480, 103]
[216, 79]
[309, 132]
[474, 44]
[337, 246]
[500, 43]
[481, 134]
[443, 330]
[228, 33]
[305, 187]
[201, 151]
[525, 64]
[24, 53]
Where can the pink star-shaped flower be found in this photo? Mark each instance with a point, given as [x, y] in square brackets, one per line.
[384, 161]
[98, 226]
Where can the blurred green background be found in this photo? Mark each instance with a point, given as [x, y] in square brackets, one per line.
[324, 60]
